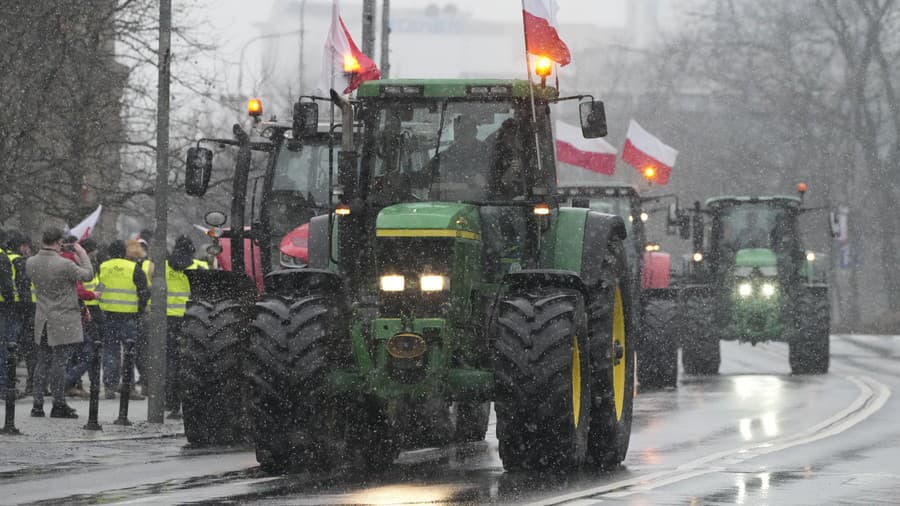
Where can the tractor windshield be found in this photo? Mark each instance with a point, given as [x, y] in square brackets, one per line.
[299, 186]
[754, 226]
[448, 151]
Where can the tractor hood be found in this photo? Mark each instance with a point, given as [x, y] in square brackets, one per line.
[429, 219]
[762, 259]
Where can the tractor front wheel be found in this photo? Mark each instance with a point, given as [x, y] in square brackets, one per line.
[543, 378]
[808, 349]
[289, 359]
[657, 359]
[700, 353]
[212, 373]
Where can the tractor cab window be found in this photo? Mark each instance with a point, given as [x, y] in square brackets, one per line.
[299, 186]
[447, 151]
[755, 226]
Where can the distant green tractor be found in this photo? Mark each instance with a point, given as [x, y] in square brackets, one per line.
[445, 278]
[753, 281]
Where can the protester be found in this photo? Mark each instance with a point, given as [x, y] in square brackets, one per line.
[57, 319]
[178, 290]
[122, 280]
[18, 248]
[80, 361]
[136, 250]
[10, 316]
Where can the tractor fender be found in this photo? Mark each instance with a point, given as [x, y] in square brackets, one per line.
[214, 286]
[294, 281]
[599, 229]
[318, 245]
[529, 278]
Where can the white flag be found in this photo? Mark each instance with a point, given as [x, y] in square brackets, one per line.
[83, 230]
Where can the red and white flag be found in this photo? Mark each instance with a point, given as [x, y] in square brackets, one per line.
[592, 154]
[83, 230]
[542, 31]
[344, 66]
[648, 154]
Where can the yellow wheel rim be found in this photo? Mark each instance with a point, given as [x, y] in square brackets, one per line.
[576, 383]
[618, 336]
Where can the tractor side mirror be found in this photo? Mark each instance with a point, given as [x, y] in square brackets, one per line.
[593, 119]
[198, 171]
[306, 119]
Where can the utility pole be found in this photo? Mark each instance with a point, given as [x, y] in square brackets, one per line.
[385, 39]
[156, 360]
[368, 28]
[302, 45]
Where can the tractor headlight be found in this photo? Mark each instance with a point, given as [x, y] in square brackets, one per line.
[767, 290]
[745, 289]
[433, 283]
[392, 283]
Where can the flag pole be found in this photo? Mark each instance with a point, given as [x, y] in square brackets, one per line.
[537, 143]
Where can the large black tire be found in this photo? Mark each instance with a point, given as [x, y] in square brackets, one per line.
[700, 351]
[612, 328]
[657, 357]
[292, 350]
[542, 379]
[211, 375]
[471, 421]
[809, 346]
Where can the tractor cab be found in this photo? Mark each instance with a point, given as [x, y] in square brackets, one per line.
[617, 199]
[280, 181]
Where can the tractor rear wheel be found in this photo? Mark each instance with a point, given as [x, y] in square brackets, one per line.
[543, 378]
[612, 324]
[211, 375]
[657, 361]
[290, 355]
[700, 353]
[809, 347]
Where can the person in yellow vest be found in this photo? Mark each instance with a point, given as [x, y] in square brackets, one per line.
[121, 281]
[13, 306]
[178, 290]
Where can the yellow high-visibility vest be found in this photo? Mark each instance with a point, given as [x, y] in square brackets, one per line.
[119, 291]
[178, 290]
[18, 297]
[92, 286]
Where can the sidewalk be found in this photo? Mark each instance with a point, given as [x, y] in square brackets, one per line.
[52, 430]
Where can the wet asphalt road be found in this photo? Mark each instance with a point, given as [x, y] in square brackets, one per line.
[752, 435]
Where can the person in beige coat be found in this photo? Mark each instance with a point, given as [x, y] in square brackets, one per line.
[57, 318]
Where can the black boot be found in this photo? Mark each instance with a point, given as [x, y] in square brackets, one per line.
[37, 410]
[62, 410]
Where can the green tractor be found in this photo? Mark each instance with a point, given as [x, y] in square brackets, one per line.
[657, 347]
[445, 278]
[753, 281]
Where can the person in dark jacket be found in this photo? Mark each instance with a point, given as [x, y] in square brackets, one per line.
[12, 275]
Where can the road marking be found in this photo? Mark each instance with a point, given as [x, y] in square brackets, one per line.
[872, 397]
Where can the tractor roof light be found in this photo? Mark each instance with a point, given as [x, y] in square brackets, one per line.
[542, 209]
[650, 173]
[801, 188]
[543, 66]
[697, 257]
[342, 210]
[645, 217]
[254, 108]
[651, 247]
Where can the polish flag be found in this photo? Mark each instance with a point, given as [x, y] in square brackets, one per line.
[592, 154]
[648, 154]
[83, 230]
[344, 66]
[542, 31]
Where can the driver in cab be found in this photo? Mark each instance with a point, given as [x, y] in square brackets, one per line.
[463, 164]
